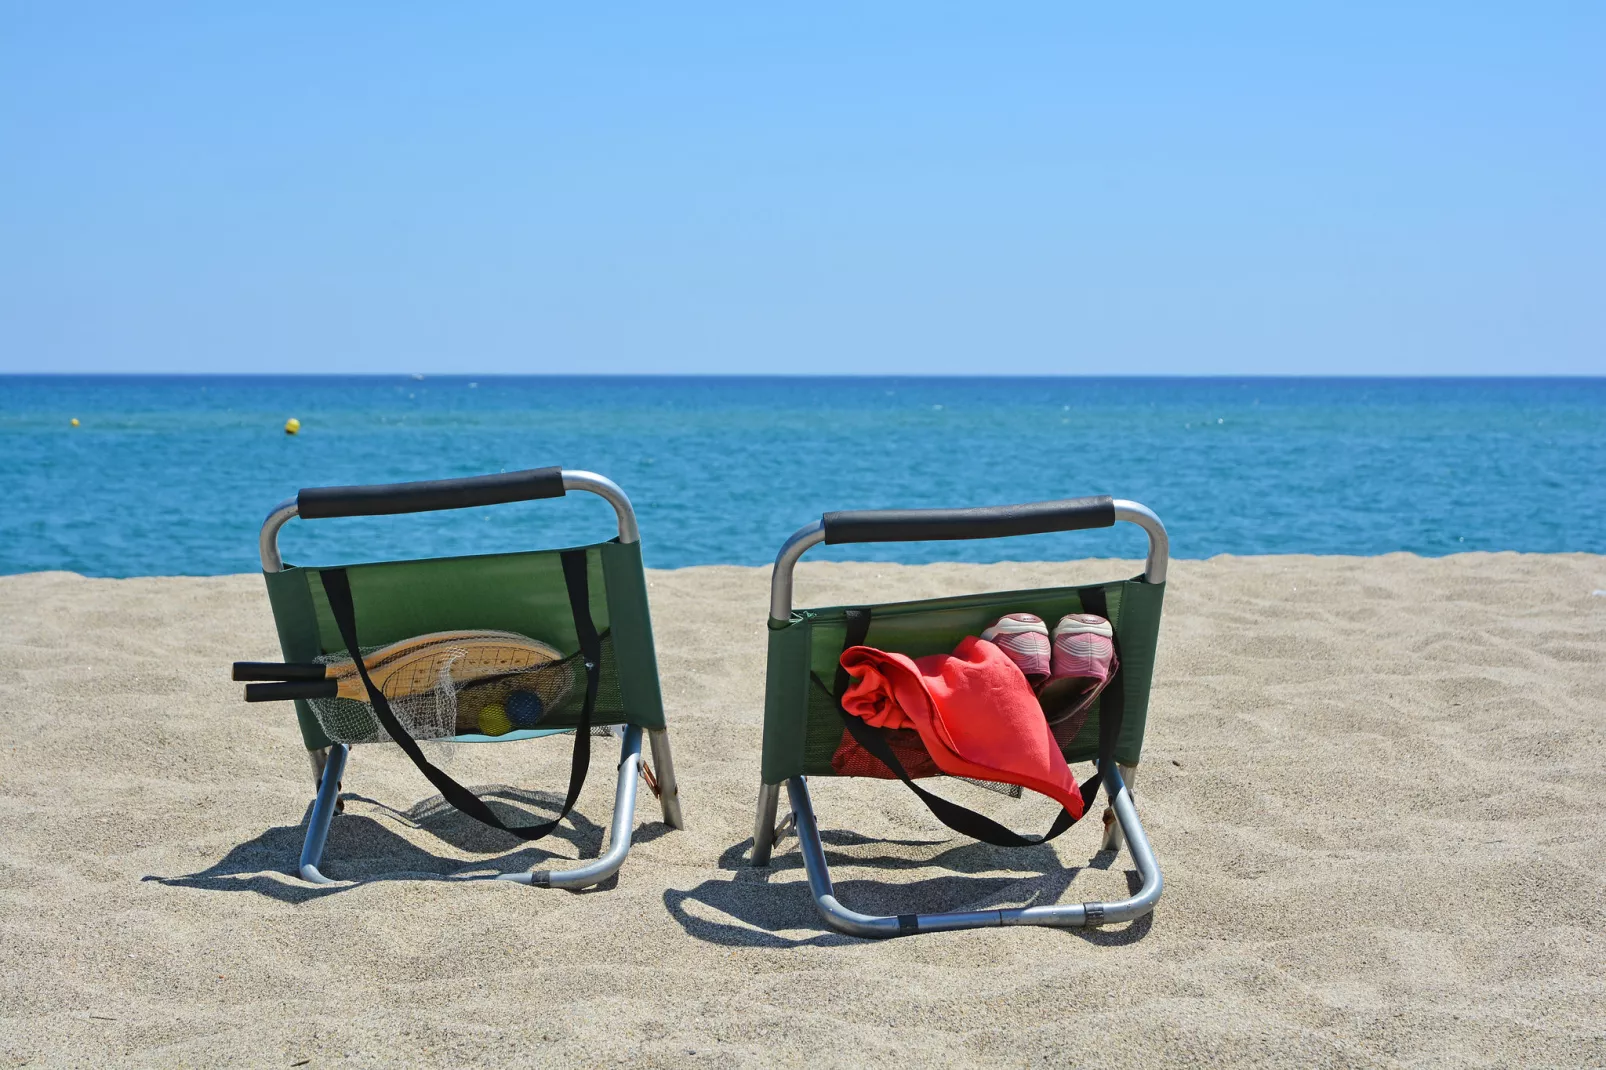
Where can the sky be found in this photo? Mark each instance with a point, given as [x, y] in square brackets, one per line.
[920, 188]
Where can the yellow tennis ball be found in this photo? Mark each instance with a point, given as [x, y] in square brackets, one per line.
[75, 421]
[493, 720]
[292, 426]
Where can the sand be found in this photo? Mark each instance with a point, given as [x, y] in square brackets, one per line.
[1375, 787]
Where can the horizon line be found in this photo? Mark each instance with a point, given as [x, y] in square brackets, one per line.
[417, 376]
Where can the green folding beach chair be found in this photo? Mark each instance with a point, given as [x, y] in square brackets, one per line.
[483, 649]
[804, 723]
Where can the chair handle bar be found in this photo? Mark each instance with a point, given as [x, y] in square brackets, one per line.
[386, 499]
[899, 525]
[990, 522]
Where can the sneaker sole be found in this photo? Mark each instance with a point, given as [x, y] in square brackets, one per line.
[1082, 627]
[1015, 627]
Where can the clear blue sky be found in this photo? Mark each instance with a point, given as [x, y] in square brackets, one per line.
[918, 188]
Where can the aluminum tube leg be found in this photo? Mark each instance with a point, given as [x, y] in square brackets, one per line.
[836, 915]
[624, 816]
[853, 923]
[764, 825]
[1112, 827]
[1148, 895]
[663, 761]
[845, 920]
[1129, 909]
[323, 812]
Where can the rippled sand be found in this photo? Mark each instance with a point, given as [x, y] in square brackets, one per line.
[1375, 786]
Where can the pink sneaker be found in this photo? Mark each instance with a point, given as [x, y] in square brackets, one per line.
[1024, 639]
[1083, 662]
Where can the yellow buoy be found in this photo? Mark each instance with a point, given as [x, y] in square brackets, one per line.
[75, 421]
[292, 426]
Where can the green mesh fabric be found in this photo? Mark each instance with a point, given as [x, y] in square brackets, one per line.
[803, 727]
[521, 592]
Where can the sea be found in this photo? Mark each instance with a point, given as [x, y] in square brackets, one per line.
[173, 475]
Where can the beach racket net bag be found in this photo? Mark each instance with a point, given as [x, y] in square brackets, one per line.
[491, 648]
[807, 734]
[447, 686]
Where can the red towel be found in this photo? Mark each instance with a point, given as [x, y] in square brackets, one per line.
[974, 711]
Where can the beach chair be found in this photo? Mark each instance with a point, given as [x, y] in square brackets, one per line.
[804, 723]
[588, 602]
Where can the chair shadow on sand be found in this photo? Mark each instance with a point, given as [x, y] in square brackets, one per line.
[763, 908]
[362, 850]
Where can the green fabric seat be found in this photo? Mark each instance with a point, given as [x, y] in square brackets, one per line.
[516, 592]
[803, 725]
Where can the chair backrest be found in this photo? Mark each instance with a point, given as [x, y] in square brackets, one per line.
[522, 592]
[803, 726]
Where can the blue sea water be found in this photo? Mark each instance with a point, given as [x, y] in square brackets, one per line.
[173, 475]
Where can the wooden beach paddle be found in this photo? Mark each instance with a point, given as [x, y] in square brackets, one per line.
[409, 667]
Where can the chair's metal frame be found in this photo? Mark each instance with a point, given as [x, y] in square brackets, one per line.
[1121, 818]
[329, 764]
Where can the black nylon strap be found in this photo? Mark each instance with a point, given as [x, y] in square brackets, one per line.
[1112, 701]
[858, 622]
[961, 819]
[338, 588]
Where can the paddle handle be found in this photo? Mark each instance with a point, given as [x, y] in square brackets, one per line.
[280, 692]
[279, 672]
